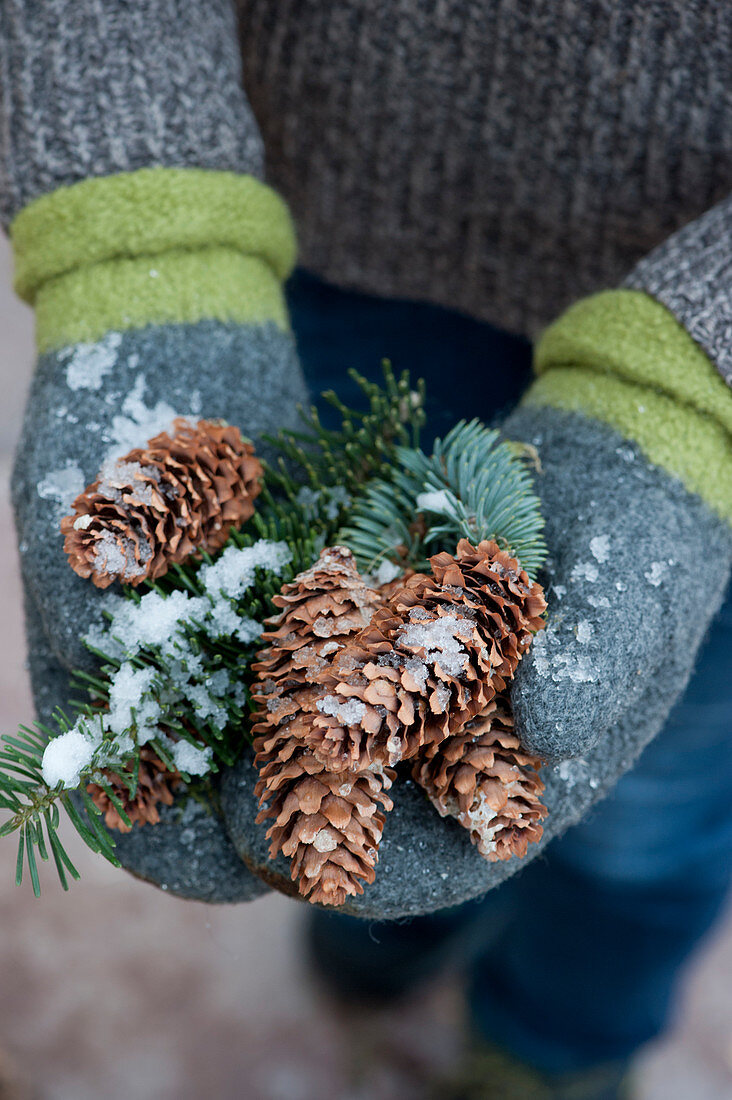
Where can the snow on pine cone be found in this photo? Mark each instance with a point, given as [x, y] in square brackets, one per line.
[162, 503]
[155, 787]
[329, 824]
[481, 777]
[429, 661]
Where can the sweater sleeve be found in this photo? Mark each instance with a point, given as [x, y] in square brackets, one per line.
[691, 274]
[90, 88]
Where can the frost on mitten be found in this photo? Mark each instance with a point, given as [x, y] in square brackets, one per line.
[160, 504]
[481, 777]
[155, 787]
[329, 824]
[429, 661]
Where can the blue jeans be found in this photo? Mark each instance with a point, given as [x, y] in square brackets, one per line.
[575, 960]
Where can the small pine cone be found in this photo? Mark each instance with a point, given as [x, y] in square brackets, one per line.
[155, 787]
[329, 824]
[322, 608]
[481, 777]
[429, 661]
[162, 503]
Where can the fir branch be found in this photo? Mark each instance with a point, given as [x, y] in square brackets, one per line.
[472, 486]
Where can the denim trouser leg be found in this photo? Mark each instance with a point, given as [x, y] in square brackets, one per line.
[579, 952]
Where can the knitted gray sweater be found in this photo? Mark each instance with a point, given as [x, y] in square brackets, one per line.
[502, 158]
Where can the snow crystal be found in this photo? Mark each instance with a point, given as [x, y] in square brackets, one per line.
[552, 658]
[115, 554]
[440, 501]
[128, 688]
[140, 423]
[153, 620]
[66, 756]
[559, 590]
[325, 840]
[418, 670]
[126, 475]
[234, 572]
[656, 573]
[439, 639]
[585, 571]
[598, 601]
[347, 711]
[88, 363]
[387, 571]
[62, 485]
[585, 630]
[443, 695]
[82, 522]
[600, 548]
[191, 760]
[249, 630]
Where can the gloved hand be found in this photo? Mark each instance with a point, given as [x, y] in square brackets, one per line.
[636, 488]
[135, 334]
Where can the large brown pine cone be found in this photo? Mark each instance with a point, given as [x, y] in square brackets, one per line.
[155, 787]
[322, 608]
[429, 661]
[328, 823]
[481, 777]
[160, 504]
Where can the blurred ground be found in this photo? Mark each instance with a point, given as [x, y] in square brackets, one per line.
[117, 991]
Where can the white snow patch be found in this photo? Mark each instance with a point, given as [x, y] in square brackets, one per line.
[600, 548]
[656, 573]
[153, 621]
[440, 501]
[439, 639]
[191, 760]
[62, 485]
[115, 555]
[88, 363]
[66, 756]
[347, 711]
[139, 422]
[234, 572]
[559, 591]
[598, 601]
[553, 658]
[585, 571]
[387, 571]
[128, 690]
[585, 630]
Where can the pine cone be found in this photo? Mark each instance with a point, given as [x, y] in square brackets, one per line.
[430, 660]
[155, 786]
[321, 609]
[328, 823]
[162, 503]
[481, 777]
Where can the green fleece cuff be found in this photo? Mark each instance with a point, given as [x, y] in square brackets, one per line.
[624, 359]
[149, 247]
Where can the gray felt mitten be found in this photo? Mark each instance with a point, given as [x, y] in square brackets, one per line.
[154, 257]
[631, 424]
